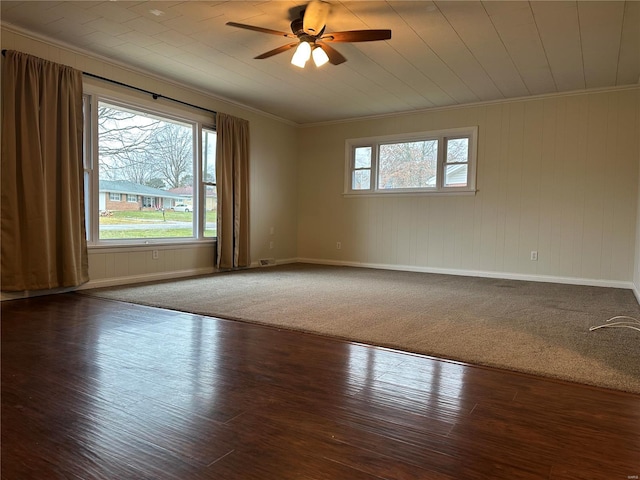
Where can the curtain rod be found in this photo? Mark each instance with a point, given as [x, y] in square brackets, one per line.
[155, 96]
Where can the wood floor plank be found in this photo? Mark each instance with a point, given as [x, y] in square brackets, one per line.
[311, 441]
[99, 389]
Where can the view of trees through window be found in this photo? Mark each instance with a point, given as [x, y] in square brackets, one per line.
[407, 164]
[146, 176]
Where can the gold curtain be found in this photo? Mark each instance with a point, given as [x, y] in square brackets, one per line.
[42, 226]
[232, 180]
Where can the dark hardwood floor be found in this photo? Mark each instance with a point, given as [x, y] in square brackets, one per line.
[98, 389]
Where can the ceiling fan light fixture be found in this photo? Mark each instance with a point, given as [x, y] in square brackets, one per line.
[309, 29]
[320, 57]
[302, 54]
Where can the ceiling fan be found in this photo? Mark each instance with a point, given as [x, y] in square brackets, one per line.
[311, 39]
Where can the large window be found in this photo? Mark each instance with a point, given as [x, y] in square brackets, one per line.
[428, 162]
[150, 175]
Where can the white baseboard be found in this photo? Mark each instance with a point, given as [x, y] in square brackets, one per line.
[479, 273]
[278, 261]
[146, 277]
[151, 277]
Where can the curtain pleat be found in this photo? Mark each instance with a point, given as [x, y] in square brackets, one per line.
[232, 183]
[43, 242]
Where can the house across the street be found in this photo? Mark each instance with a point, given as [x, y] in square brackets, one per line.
[125, 195]
[186, 196]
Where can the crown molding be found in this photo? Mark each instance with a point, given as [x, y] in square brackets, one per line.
[485, 103]
[137, 71]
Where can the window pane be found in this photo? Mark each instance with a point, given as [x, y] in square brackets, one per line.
[361, 180]
[87, 205]
[209, 178]
[408, 165]
[362, 157]
[211, 212]
[457, 150]
[150, 158]
[456, 175]
[209, 156]
[86, 162]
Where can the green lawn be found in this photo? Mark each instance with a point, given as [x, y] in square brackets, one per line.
[147, 218]
[141, 217]
[146, 233]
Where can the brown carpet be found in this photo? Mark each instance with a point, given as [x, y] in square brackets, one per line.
[532, 327]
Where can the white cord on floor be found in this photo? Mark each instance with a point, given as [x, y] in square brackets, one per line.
[633, 323]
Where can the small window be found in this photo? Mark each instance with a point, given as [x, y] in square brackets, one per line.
[361, 173]
[114, 197]
[428, 162]
[132, 198]
[456, 164]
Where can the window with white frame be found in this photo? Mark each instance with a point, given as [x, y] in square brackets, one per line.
[428, 162]
[157, 160]
[210, 200]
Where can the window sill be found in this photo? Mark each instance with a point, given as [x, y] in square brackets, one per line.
[411, 193]
[151, 243]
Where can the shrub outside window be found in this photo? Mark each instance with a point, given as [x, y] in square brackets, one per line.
[426, 162]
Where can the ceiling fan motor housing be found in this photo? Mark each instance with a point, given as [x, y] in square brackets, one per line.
[296, 27]
[315, 17]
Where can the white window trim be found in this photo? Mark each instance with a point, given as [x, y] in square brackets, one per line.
[96, 91]
[439, 189]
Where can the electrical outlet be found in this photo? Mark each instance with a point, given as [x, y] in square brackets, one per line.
[270, 245]
[338, 245]
[534, 255]
[154, 254]
[271, 230]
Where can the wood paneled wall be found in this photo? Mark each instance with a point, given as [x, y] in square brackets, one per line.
[116, 266]
[558, 175]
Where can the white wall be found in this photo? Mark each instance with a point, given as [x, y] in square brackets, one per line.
[273, 174]
[558, 175]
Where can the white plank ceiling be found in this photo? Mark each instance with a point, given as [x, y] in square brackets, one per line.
[441, 53]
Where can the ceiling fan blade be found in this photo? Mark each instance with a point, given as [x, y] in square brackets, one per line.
[335, 57]
[357, 36]
[315, 17]
[261, 30]
[276, 51]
